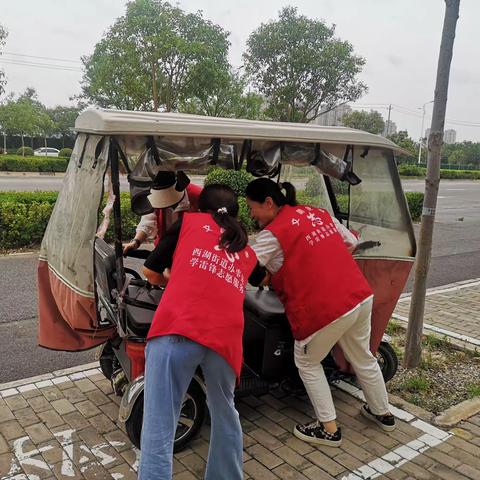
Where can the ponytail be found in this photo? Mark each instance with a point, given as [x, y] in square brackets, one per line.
[261, 188]
[234, 238]
[290, 193]
[221, 202]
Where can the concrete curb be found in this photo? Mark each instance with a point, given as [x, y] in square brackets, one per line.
[32, 174]
[457, 413]
[48, 376]
[447, 287]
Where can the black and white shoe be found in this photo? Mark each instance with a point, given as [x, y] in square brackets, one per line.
[385, 422]
[314, 432]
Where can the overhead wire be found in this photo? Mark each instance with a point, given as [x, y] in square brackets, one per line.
[41, 58]
[49, 66]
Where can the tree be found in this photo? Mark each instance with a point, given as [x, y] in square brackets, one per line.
[299, 67]
[224, 95]
[402, 139]
[3, 36]
[64, 120]
[149, 56]
[25, 116]
[368, 121]
[413, 345]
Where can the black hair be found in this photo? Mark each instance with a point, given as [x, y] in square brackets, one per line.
[214, 197]
[261, 188]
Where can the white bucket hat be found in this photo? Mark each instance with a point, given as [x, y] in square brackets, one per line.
[167, 190]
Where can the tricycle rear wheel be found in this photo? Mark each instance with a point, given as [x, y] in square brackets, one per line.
[191, 419]
[388, 360]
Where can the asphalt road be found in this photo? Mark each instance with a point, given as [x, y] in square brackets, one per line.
[456, 256]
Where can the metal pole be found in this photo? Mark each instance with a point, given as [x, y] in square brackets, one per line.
[413, 347]
[421, 136]
[421, 132]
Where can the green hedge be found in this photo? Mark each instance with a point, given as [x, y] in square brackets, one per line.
[65, 152]
[24, 217]
[16, 163]
[408, 170]
[415, 204]
[25, 151]
[236, 180]
[414, 201]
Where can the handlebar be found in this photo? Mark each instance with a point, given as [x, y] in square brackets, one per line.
[141, 253]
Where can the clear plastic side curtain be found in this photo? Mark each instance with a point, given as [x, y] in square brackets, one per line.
[67, 311]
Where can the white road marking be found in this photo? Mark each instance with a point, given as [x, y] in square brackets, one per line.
[432, 437]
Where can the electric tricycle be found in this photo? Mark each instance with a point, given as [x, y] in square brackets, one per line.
[90, 295]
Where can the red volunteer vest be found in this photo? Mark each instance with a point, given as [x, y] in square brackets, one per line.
[319, 280]
[193, 192]
[203, 300]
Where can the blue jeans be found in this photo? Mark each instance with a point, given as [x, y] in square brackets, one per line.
[171, 362]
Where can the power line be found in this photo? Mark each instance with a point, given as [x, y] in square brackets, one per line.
[42, 58]
[410, 111]
[48, 66]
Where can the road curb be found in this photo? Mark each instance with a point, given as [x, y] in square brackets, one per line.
[457, 413]
[32, 174]
[47, 376]
[450, 287]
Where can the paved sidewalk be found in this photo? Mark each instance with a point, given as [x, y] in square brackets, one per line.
[452, 310]
[64, 425]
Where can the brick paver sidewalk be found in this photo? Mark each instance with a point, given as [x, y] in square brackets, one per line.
[452, 310]
[65, 427]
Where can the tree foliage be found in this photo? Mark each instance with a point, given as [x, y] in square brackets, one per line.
[299, 66]
[223, 95]
[371, 122]
[3, 37]
[63, 118]
[464, 153]
[150, 57]
[402, 139]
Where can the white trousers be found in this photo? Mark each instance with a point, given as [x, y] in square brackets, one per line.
[352, 332]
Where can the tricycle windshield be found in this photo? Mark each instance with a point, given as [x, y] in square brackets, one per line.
[378, 209]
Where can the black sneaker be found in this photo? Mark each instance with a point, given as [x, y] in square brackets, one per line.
[314, 432]
[385, 422]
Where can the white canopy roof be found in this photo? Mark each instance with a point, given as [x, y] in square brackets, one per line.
[119, 122]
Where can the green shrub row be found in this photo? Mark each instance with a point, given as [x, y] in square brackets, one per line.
[24, 215]
[25, 151]
[408, 170]
[16, 163]
[414, 201]
[415, 204]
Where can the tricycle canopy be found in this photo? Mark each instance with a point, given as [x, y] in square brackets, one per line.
[148, 143]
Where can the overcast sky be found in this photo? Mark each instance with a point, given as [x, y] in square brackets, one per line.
[400, 40]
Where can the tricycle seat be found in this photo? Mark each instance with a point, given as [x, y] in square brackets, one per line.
[140, 316]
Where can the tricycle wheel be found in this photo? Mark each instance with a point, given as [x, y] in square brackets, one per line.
[388, 360]
[191, 419]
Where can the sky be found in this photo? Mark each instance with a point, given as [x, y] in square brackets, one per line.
[399, 39]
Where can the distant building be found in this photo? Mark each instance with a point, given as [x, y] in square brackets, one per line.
[390, 128]
[449, 136]
[332, 117]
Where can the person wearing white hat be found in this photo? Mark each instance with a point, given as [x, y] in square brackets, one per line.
[170, 191]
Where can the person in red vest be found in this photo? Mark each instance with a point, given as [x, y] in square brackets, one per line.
[198, 323]
[165, 195]
[326, 297]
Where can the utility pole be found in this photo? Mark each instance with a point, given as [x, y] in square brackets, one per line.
[388, 121]
[421, 132]
[413, 347]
